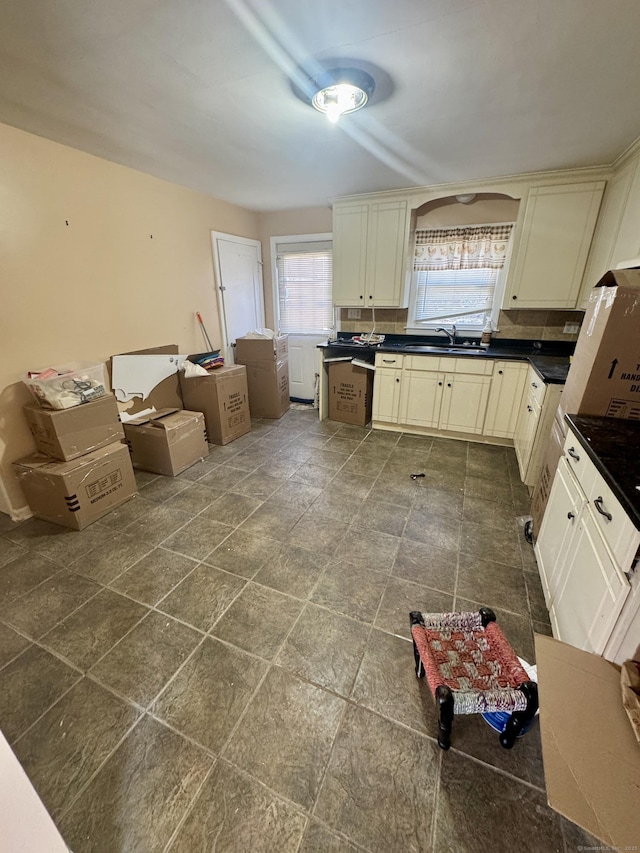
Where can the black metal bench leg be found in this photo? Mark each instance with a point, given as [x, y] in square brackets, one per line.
[519, 719]
[415, 618]
[444, 705]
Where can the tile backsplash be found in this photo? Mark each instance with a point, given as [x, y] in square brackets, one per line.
[534, 325]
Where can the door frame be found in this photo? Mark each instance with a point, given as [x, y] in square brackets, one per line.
[259, 290]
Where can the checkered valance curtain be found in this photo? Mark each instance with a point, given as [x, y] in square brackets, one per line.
[471, 248]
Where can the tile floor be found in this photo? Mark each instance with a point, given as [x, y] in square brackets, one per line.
[223, 663]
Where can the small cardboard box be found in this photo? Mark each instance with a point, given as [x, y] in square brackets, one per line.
[167, 442]
[350, 393]
[604, 378]
[68, 433]
[77, 493]
[591, 756]
[251, 350]
[223, 398]
[268, 384]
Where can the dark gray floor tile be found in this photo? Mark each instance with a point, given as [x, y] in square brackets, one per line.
[203, 596]
[258, 620]
[283, 465]
[334, 504]
[234, 812]
[473, 736]
[537, 604]
[387, 683]
[198, 538]
[450, 448]
[66, 746]
[296, 494]
[401, 597]
[64, 545]
[194, 498]
[423, 564]
[94, 628]
[487, 513]
[437, 502]
[35, 533]
[7, 525]
[491, 543]
[369, 548]
[342, 444]
[325, 648]
[380, 786]
[488, 489]
[224, 478]
[22, 575]
[326, 534]
[11, 644]
[364, 465]
[126, 514]
[529, 562]
[479, 809]
[161, 489]
[140, 665]
[449, 480]
[143, 478]
[285, 738]
[489, 468]
[453, 468]
[399, 490]
[210, 692]
[199, 469]
[381, 437]
[327, 459]
[154, 576]
[494, 584]
[139, 796]
[542, 628]
[29, 686]
[318, 839]
[115, 556]
[10, 551]
[158, 523]
[313, 475]
[437, 531]
[232, 509]
[293, 570]
[382, 517]
[46, 605]
[258, 485]
[352, 590]
[273, 520]
[243, 553]
[576, 838]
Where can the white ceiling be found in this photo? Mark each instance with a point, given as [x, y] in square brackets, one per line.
[197, 92]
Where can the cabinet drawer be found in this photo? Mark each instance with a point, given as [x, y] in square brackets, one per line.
[579, 463]
[475, 365]
[386, 359]
[615, 525]
[423, 362]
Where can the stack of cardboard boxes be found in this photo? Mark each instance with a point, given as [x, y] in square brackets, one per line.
[82, 469]
[267, 364]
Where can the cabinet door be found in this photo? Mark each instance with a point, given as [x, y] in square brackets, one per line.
[350, 224]
[551, 255]
[557, 530]
[464, 402]
[591, 593]
[421, 398]
[505, 398]
[525, 433]
[387, 246]
[386, 395]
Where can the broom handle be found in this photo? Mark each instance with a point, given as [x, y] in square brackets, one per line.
[207, 339]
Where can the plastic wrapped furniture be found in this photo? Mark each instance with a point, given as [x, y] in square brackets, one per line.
[472, 669]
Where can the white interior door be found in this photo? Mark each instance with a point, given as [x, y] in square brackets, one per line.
[238, 265]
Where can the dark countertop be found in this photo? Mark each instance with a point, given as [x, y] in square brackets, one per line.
[550, 359]
[612, 444]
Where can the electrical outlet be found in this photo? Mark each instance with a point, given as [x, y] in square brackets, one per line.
[571, 328]
[354, 313]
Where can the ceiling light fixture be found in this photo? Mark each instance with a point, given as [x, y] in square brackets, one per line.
[341, 90]
[466, 198]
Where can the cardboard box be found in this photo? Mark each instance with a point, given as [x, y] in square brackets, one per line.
[68, 433]
[553, 453]
[77, 493]
[268, 384]
[147, 378]
[223, 398]
[167, 442]
[604, 378]
[350, 393]
[591, 756]
[251, 350]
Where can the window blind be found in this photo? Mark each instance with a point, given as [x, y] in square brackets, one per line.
[305, 294]
[447, 296]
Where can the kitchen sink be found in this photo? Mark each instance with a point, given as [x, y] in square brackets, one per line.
[434, 348]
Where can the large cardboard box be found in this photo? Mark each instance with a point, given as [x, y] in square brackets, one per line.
[68, 433]
[604, 378]
[250, 350]
[350, 393]
[167, 442]
[268, 384]
[77, 493]
[223, 398]
[591, 756]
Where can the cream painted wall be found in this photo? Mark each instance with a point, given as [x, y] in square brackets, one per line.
[96, 259]
[285, 223]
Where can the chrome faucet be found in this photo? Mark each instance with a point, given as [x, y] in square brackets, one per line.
[451, 335]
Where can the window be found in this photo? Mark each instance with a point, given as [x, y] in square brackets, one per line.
[305, 298]
[456, 273]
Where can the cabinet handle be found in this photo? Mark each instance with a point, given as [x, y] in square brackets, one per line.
[598, 505]
[570, 516]
[514, 297]
[361, 296]
[370, 297]
[529, 409]
[397, 379]
[440, 383]
[448, 385]
[500, 373]
[534, 384]
[389, 360]
[573, 454]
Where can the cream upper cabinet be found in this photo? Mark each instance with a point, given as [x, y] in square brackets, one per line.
[370, 246]
[505, 397]
[553, 244]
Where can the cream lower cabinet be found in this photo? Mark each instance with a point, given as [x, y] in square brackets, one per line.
[505, 398]
[537, 410]
[387, 385]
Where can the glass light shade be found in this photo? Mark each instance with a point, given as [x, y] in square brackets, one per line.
[339, 99]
